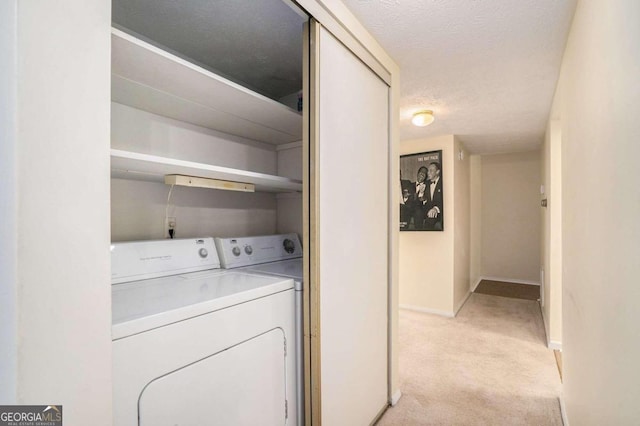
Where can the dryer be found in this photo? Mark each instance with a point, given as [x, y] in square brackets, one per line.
[194, 344]
[273, 255]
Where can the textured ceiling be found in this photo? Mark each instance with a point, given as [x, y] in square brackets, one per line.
[487, 68]
[257, 44]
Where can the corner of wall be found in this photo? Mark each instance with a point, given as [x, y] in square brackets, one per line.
[475, 208]
[462, 224]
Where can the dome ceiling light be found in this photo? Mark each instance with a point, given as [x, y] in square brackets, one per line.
[423, 118]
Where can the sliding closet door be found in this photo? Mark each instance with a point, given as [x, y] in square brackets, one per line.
[349, 157]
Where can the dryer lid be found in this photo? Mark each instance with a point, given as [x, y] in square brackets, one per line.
[142, 305]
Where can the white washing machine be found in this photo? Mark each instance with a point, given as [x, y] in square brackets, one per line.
[196, 345]
[273, 255]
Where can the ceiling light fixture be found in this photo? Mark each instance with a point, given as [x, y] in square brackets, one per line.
[422, 118]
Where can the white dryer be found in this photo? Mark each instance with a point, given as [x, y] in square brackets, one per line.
[272, 255]
[196, 345]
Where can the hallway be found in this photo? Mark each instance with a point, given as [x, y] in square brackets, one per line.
[487, 366]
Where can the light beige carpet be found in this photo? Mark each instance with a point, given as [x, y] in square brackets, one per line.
[487, 366]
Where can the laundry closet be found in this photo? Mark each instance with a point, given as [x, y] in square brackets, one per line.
[175, 113]
[97, 118]
[236, 119]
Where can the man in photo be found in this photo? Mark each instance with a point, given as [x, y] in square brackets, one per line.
[407, 195]
[420, 199]
[433, 204]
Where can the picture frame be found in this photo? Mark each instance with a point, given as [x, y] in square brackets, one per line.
[421, 192]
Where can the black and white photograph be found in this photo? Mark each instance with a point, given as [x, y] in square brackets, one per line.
[421, 199]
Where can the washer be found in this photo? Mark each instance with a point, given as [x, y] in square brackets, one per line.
[193, 344]
[273, 255]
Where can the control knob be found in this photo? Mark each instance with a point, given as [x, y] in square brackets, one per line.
[203, 252]
[236, 251]
[289, 246]
[248, 250]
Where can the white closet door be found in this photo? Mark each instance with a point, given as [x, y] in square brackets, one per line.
[353, 185]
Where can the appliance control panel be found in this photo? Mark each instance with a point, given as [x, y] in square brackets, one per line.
[247, 251]
[139, 260]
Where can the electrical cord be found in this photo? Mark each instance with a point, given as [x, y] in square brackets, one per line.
[166, 213]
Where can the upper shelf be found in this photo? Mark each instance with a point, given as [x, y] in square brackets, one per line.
[149, 78]
[133, 165]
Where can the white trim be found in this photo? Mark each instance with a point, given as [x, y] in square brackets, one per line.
[542, 300]
[563, 412]
[395, 397]
[551, 344]
[554, 344]
[545, 322]
[291, 145]
[447, 314]
[461, 304]
[476, 284]
[510, 280]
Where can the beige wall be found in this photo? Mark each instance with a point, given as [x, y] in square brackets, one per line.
[426, 258]
[60, 156]
[551, 234]
[475, 220]
[462, 223]
[8, 203]
[598, 103]
[511, 216]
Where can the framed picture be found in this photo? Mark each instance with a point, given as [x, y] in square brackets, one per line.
[421, 199]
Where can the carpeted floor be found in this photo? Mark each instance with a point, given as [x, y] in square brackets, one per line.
[487, 366]
[504, 289]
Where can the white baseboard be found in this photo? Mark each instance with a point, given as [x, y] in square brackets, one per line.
[563, 412]
[510, 280]
[461, 304]
[395, 397]
[476, 284]
[554, 344]
[427, 311]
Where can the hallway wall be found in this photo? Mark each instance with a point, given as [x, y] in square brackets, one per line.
[426, 257]
[598, 102]
[551, 233]
[434, 266]
[510, 247]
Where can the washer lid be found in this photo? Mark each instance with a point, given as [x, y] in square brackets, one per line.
[142, 305]
[286, 268]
